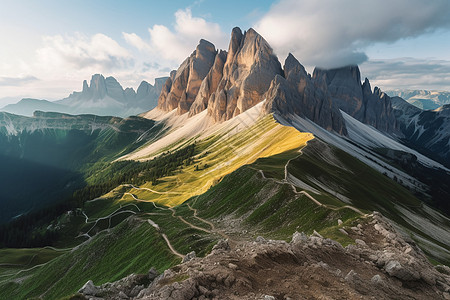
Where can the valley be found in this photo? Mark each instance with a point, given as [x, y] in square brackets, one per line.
[245, 173]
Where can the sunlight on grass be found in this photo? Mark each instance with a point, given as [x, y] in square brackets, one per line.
[221, 157]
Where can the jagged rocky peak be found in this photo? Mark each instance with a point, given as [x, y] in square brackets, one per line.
[209, 84]
[224, 83]
[304, 96]
[248, 71]
[358, 100]
[180, 91]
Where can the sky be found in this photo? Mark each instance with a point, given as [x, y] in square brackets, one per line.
[50, 46]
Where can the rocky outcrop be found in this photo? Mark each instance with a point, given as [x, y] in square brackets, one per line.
[298, 93]
[248, 71]
[209, 84]
[426, 130]
[224, 83]
[380, 264]
[182, 89]
[358, 100]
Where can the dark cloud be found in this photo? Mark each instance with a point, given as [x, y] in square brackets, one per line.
[332, 33]
[408, 73]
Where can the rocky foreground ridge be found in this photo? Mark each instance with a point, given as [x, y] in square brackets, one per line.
[382, 264]
[227, 83]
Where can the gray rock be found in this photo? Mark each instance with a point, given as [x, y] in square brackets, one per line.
[188, 257]
[360, 243]
[152, 274]
[376, 279]
[443, 269]
[268, 297]
[222, 245]
[89, 289]
[316, 234]
[304, 96]
[372, 108]
[260, 239]
[343, 231]
[395, 269]
[122, 295]
[351, 275]
[298, 238]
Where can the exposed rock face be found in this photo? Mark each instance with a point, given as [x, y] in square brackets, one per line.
[185, 83]
[209, 84]
[347, 93]
[380, 265]
[225, 83]
[427, 130]
[248, 71]
[302, 95]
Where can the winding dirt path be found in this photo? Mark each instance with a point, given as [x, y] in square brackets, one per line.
[305, 193]
[172, 249]
[147, 201]
[150, 190]
[186, 222]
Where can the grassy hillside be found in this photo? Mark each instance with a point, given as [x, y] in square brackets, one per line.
[219, 155]
[44, 166]
[267, 180]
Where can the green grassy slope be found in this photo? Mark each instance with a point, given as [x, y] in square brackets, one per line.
[332, 171]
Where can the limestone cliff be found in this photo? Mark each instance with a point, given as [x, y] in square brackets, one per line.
[302, 95]
[358, 100]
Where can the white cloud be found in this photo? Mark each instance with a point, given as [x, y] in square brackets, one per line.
[175, 45]
[332, 33]
[79, 52]
[136, 41]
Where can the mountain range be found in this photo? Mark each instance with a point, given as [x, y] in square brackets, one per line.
[427, 100]
[250, 179]
[102, 96]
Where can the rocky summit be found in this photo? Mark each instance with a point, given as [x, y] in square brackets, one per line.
[227, 83]
[382, 264]
[358, 100]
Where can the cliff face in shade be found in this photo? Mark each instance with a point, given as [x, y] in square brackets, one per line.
[248, 71]
[358, 100]
[182, 89]
[227, 83]
[304, 96]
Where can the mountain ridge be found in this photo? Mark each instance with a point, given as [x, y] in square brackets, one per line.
[102, 96]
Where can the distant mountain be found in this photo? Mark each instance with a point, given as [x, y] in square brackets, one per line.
[27, 106]
[426, 130]
[239, 146]
[422, 98]
[43, 157]
[102, 96]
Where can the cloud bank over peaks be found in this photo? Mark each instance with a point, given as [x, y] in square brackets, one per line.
[332, 33]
